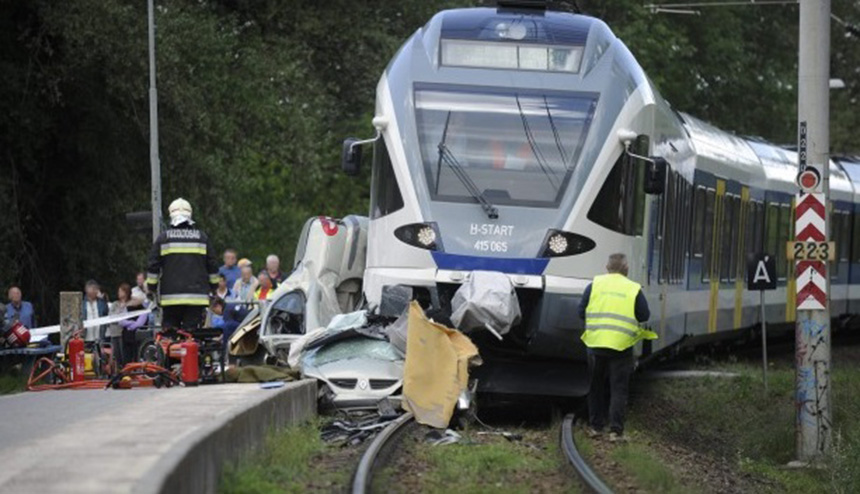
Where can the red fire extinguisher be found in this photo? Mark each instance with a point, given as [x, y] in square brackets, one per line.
[77, 358]
[190, 365]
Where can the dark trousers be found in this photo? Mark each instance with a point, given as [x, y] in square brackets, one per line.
[124, 348]
[609, 372]
[187, 317]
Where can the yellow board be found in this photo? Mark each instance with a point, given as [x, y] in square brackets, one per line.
[436, 370]
[713, 304]
[810, 250]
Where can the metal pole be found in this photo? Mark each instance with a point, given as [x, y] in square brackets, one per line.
[155, 164]
[763, 341]
[812, 333]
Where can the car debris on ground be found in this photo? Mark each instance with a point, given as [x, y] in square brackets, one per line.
[394, 351]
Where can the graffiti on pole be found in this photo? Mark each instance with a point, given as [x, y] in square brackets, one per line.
[813, 378]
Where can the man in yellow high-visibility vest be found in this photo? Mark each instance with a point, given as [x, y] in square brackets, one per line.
[612, 307]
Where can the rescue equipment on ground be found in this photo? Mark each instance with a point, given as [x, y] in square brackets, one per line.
[196, 357]
[77, 359]
[190, 364]
[17, 336]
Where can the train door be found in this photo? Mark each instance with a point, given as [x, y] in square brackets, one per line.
[714, 259]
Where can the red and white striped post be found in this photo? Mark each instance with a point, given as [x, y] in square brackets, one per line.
[812, 333]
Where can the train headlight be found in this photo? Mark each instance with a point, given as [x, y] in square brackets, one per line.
[558, 243]
[421, 235]
[427, 236]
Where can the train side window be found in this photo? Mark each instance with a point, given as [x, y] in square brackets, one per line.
[620, 203]
[855, 240]
[771, 229]
[784, 235]
[736, 237]
[727, 237]
[749, 228]
[843, 249]
[698, 222]
[385, 196]
[668, 227]
[684, 240]
[708, 237]
[837, 235]
[759, 227]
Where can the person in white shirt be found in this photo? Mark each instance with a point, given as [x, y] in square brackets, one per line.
[93, 307]
[246, 285]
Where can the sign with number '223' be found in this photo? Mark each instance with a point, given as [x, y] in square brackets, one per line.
[799, 250]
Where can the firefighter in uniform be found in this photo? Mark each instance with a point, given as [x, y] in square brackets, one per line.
[183, 263]
[612, 307]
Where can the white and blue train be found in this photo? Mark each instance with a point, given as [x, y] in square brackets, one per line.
[515, 139]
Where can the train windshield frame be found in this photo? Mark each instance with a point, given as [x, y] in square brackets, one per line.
[517, 147]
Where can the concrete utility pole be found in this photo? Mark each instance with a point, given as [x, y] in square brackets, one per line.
[155, 164]
[812, 333]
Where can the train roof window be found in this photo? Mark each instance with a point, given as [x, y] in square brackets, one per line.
[549, 28]
[514, 56]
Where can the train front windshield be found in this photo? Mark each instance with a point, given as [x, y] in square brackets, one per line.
[516, 147]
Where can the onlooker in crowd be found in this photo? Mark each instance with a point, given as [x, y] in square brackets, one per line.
[223, 291]
[230, 270]
[216, 313]
[226, 317]
[18, 309]
[264, 290]
[93, 308]
[246, 285]
[138, 292]
[273, 270]
[122, 334]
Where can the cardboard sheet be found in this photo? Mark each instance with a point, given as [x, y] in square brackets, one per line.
[436, 370]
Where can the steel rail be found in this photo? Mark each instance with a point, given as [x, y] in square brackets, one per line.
[363, 475]
[591, 480]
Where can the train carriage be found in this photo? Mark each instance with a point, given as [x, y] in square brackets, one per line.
[531, 143]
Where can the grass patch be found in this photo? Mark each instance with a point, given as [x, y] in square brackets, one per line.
[481, 464]
[584, 444]
[284, 464]
[12, 382]
[477, 468]
[650, 473]
[735, 420]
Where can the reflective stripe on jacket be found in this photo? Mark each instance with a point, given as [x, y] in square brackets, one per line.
[183, 263]
[610, 318]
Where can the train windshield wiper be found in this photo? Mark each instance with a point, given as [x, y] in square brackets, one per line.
[446, 156]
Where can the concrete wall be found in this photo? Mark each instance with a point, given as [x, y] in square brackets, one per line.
[196, 463]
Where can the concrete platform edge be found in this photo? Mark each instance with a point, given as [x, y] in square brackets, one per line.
[195, 465]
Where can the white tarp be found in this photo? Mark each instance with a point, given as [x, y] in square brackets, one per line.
[487, 298]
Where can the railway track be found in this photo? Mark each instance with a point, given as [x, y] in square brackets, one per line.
[568, 446]
[383, 442]
[388, 438]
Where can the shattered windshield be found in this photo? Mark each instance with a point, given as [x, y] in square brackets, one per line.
[517, 147]
[365, 348]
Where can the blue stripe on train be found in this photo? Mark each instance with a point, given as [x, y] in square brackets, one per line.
[478, 263]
